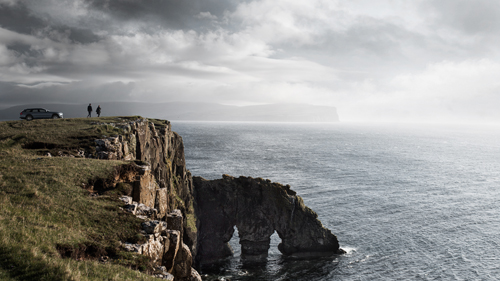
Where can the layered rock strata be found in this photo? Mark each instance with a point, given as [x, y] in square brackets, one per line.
[163, 182]
[163, 244]
[257, 208]
[161, 193]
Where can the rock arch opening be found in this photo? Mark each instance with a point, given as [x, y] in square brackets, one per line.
[246, 254]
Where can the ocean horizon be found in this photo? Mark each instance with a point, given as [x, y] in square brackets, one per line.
[406, 201]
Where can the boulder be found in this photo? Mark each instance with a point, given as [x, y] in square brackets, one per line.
[183, 263]
[175, 221]
[169, 256]
[152, 227]
[195, 276]
[162, 273]
[153, 248]
[130, 247]
[148, 212]
[131, 208]
[126, 199]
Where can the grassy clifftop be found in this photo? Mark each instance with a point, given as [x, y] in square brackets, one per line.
[50, 226]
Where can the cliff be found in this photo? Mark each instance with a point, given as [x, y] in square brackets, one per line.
[161, 192]
[165, 183]
[142, 201]
[256, 207]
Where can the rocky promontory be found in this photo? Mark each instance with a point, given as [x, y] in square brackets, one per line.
[172, 221]
[258, 208]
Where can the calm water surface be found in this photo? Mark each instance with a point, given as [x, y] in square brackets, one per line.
[407, 202]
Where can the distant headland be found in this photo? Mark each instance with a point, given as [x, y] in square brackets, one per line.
[193, 111]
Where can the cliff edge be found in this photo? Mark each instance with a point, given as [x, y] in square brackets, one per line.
[62, 201]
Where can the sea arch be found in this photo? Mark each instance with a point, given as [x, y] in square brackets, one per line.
[257, 207]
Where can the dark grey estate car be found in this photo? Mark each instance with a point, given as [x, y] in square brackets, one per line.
[39, 113]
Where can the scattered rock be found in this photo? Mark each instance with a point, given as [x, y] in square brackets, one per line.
[131, 208]
[146, 211]
[162, 273]
[195, 276]
[126, 199]
[129, 247]
[152, 227]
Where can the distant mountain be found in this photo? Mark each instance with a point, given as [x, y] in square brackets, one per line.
[192, 111]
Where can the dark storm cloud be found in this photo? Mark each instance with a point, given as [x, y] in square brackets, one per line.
[367, 57]
[21, 19]
[28, 17]
[81, 92]
[175, 14]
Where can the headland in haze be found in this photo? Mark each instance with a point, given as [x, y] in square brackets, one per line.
[192, 111]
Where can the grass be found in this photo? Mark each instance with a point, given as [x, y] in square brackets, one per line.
[50, 226]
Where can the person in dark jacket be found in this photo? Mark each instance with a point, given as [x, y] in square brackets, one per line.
[98, 111]
[89, 109]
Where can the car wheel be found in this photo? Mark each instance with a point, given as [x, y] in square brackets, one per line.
[29, 117]
[55, 117]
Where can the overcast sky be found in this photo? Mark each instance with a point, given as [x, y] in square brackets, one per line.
[375, 60]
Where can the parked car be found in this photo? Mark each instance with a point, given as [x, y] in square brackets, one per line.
[39, 113]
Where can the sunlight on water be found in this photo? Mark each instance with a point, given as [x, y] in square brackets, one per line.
[406, 202]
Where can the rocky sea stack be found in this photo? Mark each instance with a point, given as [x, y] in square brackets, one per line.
[257, 207]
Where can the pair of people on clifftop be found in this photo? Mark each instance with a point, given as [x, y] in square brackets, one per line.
[98, 110]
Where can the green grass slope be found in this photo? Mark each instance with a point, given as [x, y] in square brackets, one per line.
[50, 226]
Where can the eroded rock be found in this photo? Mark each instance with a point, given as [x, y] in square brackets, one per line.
[152, 227]
[153, 248]
[183, 262]
[257, 208]
[170, 255]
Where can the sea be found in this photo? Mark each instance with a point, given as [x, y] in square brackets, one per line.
[406, 201]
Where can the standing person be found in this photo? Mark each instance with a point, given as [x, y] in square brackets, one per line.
[98, 111]
[89, 109]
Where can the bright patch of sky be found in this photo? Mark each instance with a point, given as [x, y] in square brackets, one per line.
[374, 60]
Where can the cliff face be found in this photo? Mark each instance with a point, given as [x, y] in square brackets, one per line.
[209, 210]
[161, 193]
[257, 208]
[165, 183]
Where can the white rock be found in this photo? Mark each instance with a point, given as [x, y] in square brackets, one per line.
[126, 199]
